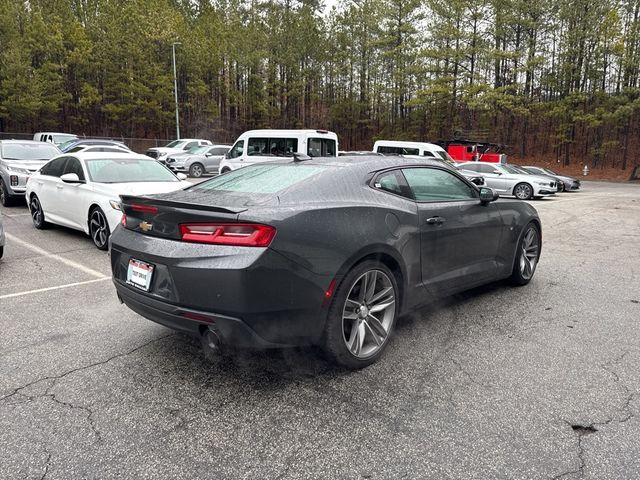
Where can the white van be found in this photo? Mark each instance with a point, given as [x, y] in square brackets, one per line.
[411, 149]
[56, 138]
[257, 146]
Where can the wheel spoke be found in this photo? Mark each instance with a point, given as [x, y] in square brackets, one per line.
[376, 326]
[380, 295]
[352, 303]
[382, 305]
[377, 340]
[373, 279]
[364, 283]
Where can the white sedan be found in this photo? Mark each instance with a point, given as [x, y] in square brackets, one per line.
[82, 190]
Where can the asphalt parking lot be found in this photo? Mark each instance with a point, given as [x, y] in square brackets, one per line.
[498, 383]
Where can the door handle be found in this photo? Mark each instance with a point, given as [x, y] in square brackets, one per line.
[436, 220]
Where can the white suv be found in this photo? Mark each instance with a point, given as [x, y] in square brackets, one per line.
[177, 146]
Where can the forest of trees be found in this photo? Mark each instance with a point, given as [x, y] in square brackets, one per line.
[558, 79]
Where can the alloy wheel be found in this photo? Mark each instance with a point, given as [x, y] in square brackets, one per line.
[196, 170]
[99, 228]
[523, 191]
[37, 215]
[529, 253]
[368, 314]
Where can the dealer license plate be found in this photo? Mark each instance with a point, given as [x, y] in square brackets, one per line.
[139, 274]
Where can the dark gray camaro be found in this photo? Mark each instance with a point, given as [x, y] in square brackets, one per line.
[322, 251]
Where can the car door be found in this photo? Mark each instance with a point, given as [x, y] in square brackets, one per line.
[48, 187]
[212, 162]
[493, 177]
[459, 235]
[72, 197]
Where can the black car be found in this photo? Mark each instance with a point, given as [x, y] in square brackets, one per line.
[322, 251]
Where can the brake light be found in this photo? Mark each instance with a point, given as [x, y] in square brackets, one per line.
[123, 220]
[144, 208]
[237, 234]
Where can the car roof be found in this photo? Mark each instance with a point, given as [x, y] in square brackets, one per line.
[56, 133]
[106, 155]
[190, 140]
[372, 162]
[290, 131]
[406, 143]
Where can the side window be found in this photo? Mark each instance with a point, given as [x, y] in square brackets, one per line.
[54, 168]
[484, 168]
[392, 182]
[474, 167]
[257, 146]
[73, 166]
[432, 185]
[283, 147]
[321, 147]
[237, 149]
[189, 145]
[218, 151]
[428, 154]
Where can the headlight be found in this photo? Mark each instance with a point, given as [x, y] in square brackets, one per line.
[543, 184]
[23, 171]
[115, 205]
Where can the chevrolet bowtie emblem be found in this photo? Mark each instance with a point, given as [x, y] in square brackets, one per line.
[145, 226]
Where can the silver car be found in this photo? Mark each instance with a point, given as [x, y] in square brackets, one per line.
[199, 160]
[506, 180]
[2, 240]
[18, 160]
[566, 183]
[524, 171]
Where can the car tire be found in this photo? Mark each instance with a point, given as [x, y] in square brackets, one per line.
[354, 337]
[1, 251]
[196, 170]
[523, 191]
[5, 198]
[562, 187]
[37, 213]
[225, 170]
[527, 255]
[99, 228]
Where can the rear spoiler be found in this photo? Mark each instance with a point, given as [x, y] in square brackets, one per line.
[130, 199]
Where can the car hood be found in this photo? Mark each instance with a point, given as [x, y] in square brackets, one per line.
[566, 178]
[165, 150]
[31, 165]
[180, 154]
[138, 188]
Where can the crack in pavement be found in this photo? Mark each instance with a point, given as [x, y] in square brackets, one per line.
[626, 408]
[55, 378]
[46, 465]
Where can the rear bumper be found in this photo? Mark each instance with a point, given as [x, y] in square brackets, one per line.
[253, 297]
[232, 331]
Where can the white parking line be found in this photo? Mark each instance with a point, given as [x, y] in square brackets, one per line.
[55, 256]
[38, 290]
[16, 215]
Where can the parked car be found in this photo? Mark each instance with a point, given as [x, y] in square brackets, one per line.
[524, 171]
[199, 160]
[177, 146]
[508, 181]
[411, 149]
[257, 146]
[568, 183]
[73, 146]
[54, 137]
[98, 148]
[319, 251]
[18, 160]
[2, 239]
[81, 190]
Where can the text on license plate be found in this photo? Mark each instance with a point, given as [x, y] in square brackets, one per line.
[139, 274]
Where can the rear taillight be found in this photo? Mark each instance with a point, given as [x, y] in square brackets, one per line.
[237, 234]
[123, 220]
[144, 208]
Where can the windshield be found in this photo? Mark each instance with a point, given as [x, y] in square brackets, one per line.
[445, 157]
[67, 144]
[260, 178]
[521, 170]
[199, 150]
[175, 144]
[548, 170]
[128, 170]
[28, 151]
[508, 169]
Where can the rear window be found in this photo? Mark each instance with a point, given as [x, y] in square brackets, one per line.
[398, 150]
[260, 178]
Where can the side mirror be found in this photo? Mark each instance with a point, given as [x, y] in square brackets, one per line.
[181, 176]
[208, 154]
[488, 195]
[70, 178]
